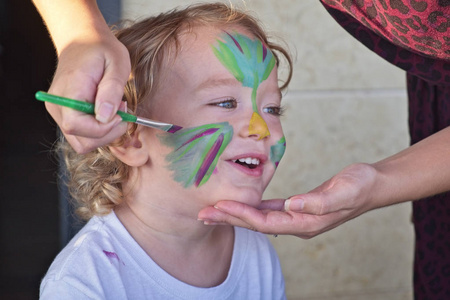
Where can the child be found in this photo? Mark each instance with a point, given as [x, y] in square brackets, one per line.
[211, 70]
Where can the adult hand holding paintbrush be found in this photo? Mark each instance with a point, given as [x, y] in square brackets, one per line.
[93, 66]
[89, 108]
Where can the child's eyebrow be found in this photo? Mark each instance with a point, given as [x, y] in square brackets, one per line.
[215, 82]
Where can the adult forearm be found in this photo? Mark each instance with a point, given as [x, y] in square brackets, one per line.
[69, 21]
[419, 171]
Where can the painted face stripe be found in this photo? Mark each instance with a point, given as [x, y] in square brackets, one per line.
[268, 69]
[264, 52]
[259, 53]
[208, 161]
[246, 47]
[254, 105]
[210, 142]
[235, 42]
[226, 140]
[200, 135]
[226, 57]
[174, 128]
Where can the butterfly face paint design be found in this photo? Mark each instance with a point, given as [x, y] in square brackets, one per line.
[196, 151]
[251, 63]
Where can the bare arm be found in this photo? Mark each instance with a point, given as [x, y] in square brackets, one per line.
[419, 171]
[92, 66]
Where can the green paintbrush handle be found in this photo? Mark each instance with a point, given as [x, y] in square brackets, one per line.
[82, 106]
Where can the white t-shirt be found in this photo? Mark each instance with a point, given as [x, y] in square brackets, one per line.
[103, 261]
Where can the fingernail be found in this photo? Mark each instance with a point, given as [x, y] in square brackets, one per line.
[287, 203]
[216, 207]
[105, 112]
[123, 106]
[210, 223]
[297, 205]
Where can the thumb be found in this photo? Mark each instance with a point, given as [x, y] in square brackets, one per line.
[313, 203]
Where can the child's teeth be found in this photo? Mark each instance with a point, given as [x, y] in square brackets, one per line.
[249, 161]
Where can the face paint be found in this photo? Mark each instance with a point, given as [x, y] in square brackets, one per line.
[258, 126]
[251, 63]
[277, 151]
[196, 151]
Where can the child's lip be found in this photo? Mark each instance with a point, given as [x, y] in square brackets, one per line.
[256, 172]
[257, 160]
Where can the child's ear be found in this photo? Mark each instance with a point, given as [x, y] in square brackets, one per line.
[132, 152]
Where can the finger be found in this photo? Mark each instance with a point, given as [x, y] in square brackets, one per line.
[110, 88]
[89, 133]
[269, 222]
[212, 216]
[78, 123]
[273, 204]
[108, 99]
[84, 145]
[316, 203]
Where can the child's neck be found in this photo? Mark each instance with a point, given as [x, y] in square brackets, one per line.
[185, 248]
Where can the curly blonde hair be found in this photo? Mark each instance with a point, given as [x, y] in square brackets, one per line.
[95, 179]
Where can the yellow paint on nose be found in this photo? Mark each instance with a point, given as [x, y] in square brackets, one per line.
[258, 126]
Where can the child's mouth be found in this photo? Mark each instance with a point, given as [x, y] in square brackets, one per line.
[248, 162]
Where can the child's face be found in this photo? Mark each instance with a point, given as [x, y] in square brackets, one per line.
[223, 90]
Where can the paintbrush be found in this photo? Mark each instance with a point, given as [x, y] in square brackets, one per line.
[88, 108]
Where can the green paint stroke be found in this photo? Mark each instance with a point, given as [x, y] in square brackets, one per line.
[277, 151]
[196, 151]
[248, 60]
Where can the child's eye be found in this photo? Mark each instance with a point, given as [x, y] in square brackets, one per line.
[228, 103]
[274, 110]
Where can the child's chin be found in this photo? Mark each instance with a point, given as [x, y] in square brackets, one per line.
[251, 198]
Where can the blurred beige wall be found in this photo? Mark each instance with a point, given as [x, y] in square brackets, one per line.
[344, 105]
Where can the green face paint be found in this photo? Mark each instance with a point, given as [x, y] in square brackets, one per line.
[250, 62]
[277, 151]
[196, 151]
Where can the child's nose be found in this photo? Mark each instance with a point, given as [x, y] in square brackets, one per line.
[258, 127]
